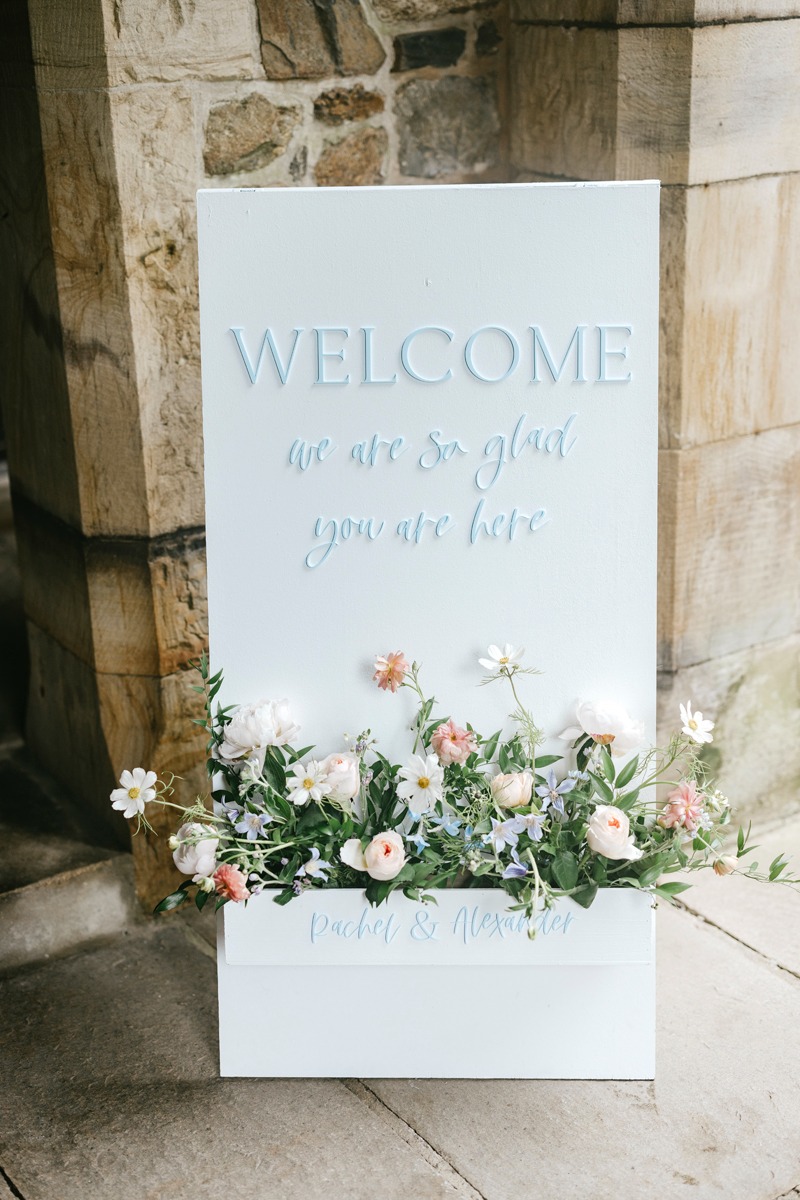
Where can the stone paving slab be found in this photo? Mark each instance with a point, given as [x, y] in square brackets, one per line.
[722, 1119]
[767, 918]
[110, 1088]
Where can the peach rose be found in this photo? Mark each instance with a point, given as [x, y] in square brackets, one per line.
[385, 856]
[341, 773]
[609, 834]
[230, 882]
[512, 790]
[452, 744]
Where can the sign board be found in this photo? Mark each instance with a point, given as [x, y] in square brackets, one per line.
[430, 425]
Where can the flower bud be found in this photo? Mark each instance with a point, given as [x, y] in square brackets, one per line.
[206, 884]
[725, 865]
[173, 842]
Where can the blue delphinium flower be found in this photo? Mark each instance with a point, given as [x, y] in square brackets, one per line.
[447, 824]
[252, 825]
[552, 793]
[515, 869]
[418, 841]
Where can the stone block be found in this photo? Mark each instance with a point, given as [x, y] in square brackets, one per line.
[753, 696]
[730, 266]
[356, 160]
[341, 104]
[678, 103]
[729, 526]
[158, 168]
[247, 133]
[429, 48]
[306, 40]
[604, 12]
[447, 126]
[488, 39]
[401, 11]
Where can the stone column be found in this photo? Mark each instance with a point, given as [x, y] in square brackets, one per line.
[704, 95]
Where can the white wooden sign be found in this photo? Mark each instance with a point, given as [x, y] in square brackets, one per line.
[430, 425]
[455, 990]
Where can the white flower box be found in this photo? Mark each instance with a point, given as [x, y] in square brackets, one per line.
[329, 986]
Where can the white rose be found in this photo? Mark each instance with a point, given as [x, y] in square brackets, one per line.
[609, 833]
[352, 855]
[253, 727]
[342, 775]
[385, 856]
[513, 790]
[196, 854]
[608, 723]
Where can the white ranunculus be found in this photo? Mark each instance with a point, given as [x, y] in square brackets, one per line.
[352, 855]
[608, 723]
[343, 775]
[385, 856]
[609, 834]
[196, 854]
[512, 790]
[254, 727]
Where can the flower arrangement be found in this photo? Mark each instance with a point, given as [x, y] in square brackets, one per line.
[464, 810]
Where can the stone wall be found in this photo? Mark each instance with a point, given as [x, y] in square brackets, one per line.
[116, 111]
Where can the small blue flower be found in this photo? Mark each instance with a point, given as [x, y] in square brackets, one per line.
[515, 869]
[533, 823]
[552, 793]
[504, 833]
[447, 824]
[418, 841]
[252, 825]
[315, 868]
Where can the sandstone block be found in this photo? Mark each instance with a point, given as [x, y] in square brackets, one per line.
[488, 39]
[306, 40]
[729, 529]
[429, 48]
[243, 135]
[341, 104]
[399, 11]
[730, 357]
[356, 160]
[447, 126]
[753, 696]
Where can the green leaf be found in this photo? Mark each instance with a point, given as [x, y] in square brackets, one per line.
[627, 801]
[607, 764]
[174, 900]
[201, 898]
[502, 759]
[547, 760]
[490, 745]
[627, 773]
[565, 869]
[665, 890]
[585, 895]
[602, 787]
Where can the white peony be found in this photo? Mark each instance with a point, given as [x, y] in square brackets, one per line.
[512, 790]
[609, 834]
[254, 727]
[343, 775]
[607, 723]
[196, 853]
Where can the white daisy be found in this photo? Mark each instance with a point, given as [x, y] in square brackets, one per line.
[498, 660]
[135, 790]
[308, 782]
[424, 780]
[694, 726]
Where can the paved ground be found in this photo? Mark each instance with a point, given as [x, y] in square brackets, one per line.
[110, 1087]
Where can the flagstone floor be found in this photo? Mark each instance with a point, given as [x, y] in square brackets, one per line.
[109, 1085]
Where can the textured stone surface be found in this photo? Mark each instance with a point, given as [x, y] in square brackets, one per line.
[429, 48]
[243, 135]
[110, 1086]
[341, 104]
[446, 125]
[753, 696]
[711, 1125]
[356, 159]
[488, 39]
[729, 520]
[729, 355]
[393, 11]
[308, 40]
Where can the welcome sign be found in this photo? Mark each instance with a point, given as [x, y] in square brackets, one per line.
[430, 425]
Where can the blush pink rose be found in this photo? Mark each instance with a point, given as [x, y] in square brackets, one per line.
[684, 807]
[452, 744]
[385, 856]
[390, 670]
[230, 882]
